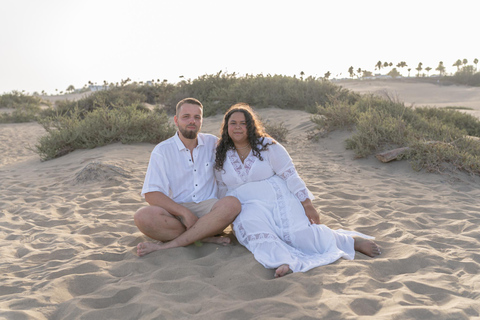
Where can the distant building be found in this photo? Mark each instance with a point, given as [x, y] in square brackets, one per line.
[97, 88]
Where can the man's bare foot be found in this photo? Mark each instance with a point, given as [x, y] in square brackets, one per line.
[144, 248]
[367, 247]
[282, 270]
[218, 240]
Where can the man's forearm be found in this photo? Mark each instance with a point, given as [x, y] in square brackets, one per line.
[159, 199]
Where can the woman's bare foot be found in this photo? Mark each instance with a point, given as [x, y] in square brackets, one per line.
[366, 246]
[144, 248]
[218, 240]
[282, 270]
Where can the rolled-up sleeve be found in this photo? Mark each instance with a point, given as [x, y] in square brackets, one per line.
[156, 177]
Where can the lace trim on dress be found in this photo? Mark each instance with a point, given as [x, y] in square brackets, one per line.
[242, 169]
[261, 237]
[256, 237]
[301, 195]
[282, 211]
[287, 174]
[248, 163]
[237, 164]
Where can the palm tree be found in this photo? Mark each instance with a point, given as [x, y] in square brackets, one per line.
[457, 64]
[70, 88]
[401, 64]
[409, 71]
[301, 75]
[476, 62]
[327, 75]
[465, 61]
[428, 70]
[351, 72]
[419, 68]
[379, 65]
[441, 68]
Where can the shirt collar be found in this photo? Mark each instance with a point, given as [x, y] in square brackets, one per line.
[181, 146]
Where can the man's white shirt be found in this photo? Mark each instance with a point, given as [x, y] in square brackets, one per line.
[172, 170]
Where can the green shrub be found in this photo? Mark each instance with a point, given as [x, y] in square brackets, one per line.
[78, 130]
[220, 91]
[278, 131]
[340, 115]
[22, 113]
[436, 137]
[110, 98]
[450, 116]
[16, 99]
[463, 155]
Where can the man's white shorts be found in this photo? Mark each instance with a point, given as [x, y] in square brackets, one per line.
[202, 208]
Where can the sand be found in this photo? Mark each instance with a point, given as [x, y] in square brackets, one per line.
[419, 94]
[68, 239]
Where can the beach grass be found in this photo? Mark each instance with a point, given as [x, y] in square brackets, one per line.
[438, 140]
[102, 126]
[25, 108]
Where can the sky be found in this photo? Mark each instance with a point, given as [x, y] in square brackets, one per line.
[49, 45]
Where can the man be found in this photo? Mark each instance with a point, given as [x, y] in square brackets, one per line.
[181, 190]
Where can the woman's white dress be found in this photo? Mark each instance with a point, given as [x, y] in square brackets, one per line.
[272, 223]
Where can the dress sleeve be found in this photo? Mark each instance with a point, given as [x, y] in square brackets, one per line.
[283, 166]
[222, 187]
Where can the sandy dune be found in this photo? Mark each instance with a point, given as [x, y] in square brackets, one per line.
[68, 238]
[420, 94]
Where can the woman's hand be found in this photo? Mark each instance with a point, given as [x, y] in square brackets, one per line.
[311, 212]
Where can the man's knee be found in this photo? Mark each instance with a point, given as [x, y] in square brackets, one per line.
[140, 216]
[232, 206]
[146, 214]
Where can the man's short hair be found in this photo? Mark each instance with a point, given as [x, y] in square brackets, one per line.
[189, 101]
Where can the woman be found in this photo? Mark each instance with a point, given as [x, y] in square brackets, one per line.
[278, 222]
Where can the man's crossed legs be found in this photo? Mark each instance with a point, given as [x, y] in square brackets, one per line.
[158, 224]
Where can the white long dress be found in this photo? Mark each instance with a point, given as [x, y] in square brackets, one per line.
[272, 223]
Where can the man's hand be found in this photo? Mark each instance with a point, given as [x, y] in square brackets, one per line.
[159, 199]
[188, 219]
[311, 212]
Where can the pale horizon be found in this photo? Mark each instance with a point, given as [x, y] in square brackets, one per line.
[54, 44]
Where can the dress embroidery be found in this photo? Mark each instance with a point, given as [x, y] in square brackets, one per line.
[242, 169]
[282, 209]
[287, 174]
[301, 195]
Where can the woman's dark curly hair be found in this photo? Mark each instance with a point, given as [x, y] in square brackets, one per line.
[255, 132]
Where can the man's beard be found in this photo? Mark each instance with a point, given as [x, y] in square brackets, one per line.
[189, 134]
